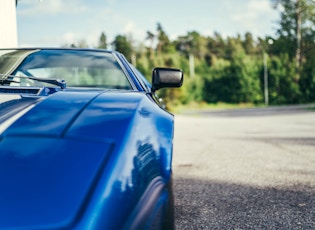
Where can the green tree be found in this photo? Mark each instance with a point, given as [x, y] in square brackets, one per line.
[231, 69]
[296, 26]
[102, 43]
[296, 38]
[249, 44]
[216, 45]
[282, 86]
[307, 80]
[192, 43]
[164, 43]
[122, 45]
[80, 44]
[235, 80]
[151, 37]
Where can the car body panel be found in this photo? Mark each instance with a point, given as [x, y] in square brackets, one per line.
[85, 158]
[55, 109]
[44, 183]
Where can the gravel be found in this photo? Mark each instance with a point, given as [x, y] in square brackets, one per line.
[245, 169]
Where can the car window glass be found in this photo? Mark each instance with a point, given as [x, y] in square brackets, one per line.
[77, 68]
[142, 79]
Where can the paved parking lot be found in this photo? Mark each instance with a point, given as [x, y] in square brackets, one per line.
[245, 169]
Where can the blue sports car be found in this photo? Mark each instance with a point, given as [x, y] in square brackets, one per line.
[84, 141]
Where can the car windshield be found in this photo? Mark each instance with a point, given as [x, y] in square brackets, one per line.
[79, 68]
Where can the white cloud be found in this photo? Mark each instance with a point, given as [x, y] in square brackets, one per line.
[69, 37]
[59, 22]
[35, 8]
[131, 29]
[260, 6]
[253, 10]
[255, 16]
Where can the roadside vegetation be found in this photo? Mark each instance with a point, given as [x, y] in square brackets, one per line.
[233, 70]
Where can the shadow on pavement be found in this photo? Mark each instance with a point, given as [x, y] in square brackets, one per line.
[214, 205]
[249, 112]
[303, 141]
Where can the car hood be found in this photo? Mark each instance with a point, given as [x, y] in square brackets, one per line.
[46, 144]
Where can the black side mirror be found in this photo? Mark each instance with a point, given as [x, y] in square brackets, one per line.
[166, 77]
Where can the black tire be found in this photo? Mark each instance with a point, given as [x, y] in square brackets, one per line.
[169, 217]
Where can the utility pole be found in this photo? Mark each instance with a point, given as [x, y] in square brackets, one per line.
[298, 36]
[265, 63]
[8, 26]
[266, 93]
[191, 65]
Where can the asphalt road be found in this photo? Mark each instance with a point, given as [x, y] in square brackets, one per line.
[245, 169]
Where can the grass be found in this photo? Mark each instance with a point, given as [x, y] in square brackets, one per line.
[194, 106]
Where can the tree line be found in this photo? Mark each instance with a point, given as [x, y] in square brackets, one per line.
[277, 69]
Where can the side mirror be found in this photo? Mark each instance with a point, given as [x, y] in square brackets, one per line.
[166, 77]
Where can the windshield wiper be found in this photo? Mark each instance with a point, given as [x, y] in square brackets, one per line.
[58, 82]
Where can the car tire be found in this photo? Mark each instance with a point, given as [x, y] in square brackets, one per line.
[169, 217]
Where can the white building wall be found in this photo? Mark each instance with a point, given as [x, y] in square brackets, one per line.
[8, 27]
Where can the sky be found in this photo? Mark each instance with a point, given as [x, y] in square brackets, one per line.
[55, 23]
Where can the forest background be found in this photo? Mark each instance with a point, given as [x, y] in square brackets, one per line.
[236, 70]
